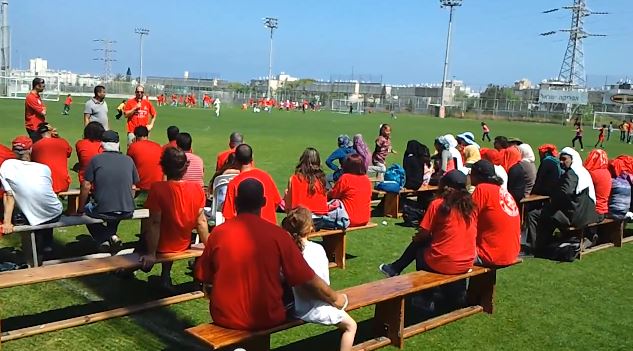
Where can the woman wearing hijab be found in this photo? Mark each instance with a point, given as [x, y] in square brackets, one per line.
[494, 156]
[362, 149]
[597, 163]
[573, 202]
[447, 155]
[548, 172]
[522, 175]
[340, 154]
[417, 165]
[469, 148]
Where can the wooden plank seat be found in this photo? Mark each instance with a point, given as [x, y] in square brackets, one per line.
[531, 199]
[72, 196]
[388, 295]
[610, 233]
[85, 268]
[393, 205]
[28, 231]
[334, 243]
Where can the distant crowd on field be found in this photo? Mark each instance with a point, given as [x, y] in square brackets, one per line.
[249, 262]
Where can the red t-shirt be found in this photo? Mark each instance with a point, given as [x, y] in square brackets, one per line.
[298, 195]
[243, 260]
[140, 117]
[146, 156]
[54, 152]
[5, 154]
[222, 158]
[86, 150]
[355, 193]
[170, 144]
[179, 204]
[602, 183]
[498, 225]
[273, 199]
[68, 101]
[452, 249]
[33, 107]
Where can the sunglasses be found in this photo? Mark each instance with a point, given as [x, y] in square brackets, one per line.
[140, 92]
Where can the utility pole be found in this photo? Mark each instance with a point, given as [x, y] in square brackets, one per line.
[5, 50]
[107, 57]
[451, 4]
[272, 24]
[141, 32]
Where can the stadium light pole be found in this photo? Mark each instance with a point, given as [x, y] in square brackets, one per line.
[451, 4]
[272, 24]
[141, 32]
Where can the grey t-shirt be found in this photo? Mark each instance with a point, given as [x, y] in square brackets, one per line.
[113, 175]
[98, 112]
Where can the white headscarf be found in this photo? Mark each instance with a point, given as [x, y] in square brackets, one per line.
[584, 178]
[450, 143]
[527, 154]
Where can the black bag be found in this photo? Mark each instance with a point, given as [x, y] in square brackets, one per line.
[412, 213]
[566, 251]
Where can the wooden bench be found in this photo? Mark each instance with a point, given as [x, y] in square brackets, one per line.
[334, 243]
[610, 233]
[388, 295]
[28, 234]
[392, 203]
[85, 268]
[531, 199]
[72, 195]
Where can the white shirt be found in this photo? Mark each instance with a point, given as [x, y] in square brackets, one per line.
[31, 185]
[501, 173]
[216, 103]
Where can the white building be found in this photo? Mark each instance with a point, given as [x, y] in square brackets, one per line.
[38, 67]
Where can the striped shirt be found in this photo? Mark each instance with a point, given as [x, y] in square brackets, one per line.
[195, 171]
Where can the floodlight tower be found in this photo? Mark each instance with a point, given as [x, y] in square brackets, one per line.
[451, 4]
[5, 49]
[141, 32]
[272, 24]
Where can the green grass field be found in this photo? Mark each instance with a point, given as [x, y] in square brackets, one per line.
[540, 305]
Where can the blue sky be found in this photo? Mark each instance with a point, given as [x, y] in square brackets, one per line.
[495, 41]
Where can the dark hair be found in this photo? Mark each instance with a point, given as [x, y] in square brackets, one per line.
[98, 88]
[243, 154]
[309, 168]
[459, 199]
[37, 81]
[172, 133]
[383, 127]
[604, 125]
[183, 140]
[174, 163]
[141, 131]
[229, 164]
[299, 224]
[93, 131]
[250, 195]
[353, 164]
[502, 141]
[235, 139]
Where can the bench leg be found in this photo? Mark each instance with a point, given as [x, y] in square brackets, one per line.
[481, 290]
[260, 343]
[391, 204]
[29, 249]
[73, 205]
[334, 246]
[613, 232]
[389, 321]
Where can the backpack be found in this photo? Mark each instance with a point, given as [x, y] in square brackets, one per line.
[395, 173]
[620, 199]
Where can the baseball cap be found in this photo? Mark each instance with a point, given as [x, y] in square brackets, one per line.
[484, 169]
[454, 179]
[22, 143]
[110, 136]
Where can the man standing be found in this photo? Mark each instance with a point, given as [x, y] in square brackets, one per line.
[139, 112]
[29, 184]
[112, 175]
[146, 155]
[53, 151]
[235, 139]
[195, 170]
[217, 104]
[34, 109]
[67, 103]
[244, 157]
[256, 303]
[97, 108]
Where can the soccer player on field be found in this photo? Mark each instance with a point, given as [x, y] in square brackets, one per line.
[67, 103]
[601, 137]
[486, 131]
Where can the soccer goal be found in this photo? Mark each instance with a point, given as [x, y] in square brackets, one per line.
[19, 87]
[343, 105]
[603, 118]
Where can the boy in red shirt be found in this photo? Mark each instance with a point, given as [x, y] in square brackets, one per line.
[88, 147]
[486, 131]
[34, 109]
[172, 133]
[139, 112]
[146, 155]
[601, 136]
[67, 103]
[244, 157]
[53, 151]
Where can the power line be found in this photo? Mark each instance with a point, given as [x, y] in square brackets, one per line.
[107, 58]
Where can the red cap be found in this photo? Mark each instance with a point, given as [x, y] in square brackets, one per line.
[22, 142]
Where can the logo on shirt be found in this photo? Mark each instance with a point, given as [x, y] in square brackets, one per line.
[507, 203]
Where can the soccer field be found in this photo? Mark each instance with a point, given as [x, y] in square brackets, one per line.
[585, 305]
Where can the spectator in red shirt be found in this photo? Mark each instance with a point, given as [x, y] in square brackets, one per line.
[244, 158]
[597, 163]
[34, 109]
[176, 208]
[172, 133]
[67, 103]
[498, 219]
[146, 156]
[307, 186]
[53, 151]
[195, 171]
[256, 302]
[139, 112]
[88, 147]
[235, 139]
[354, 191]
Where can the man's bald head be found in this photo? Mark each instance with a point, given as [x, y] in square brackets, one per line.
[243, 154]
[250, 197]
[235, 139]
